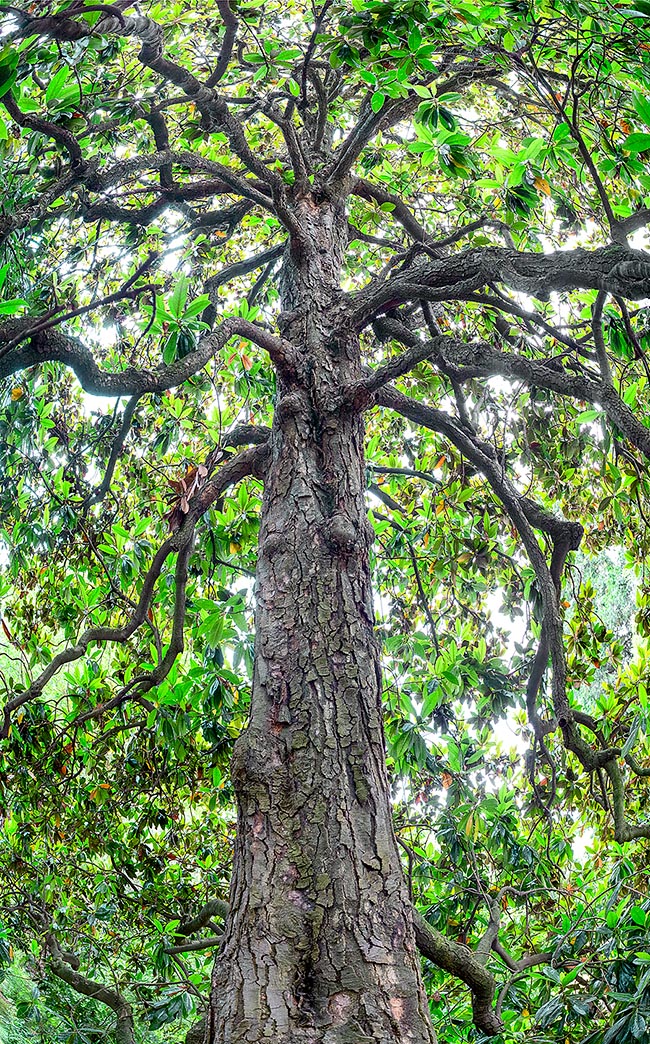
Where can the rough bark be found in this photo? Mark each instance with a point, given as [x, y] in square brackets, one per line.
[319, 946]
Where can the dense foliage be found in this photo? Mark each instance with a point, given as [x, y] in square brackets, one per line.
[131, 226]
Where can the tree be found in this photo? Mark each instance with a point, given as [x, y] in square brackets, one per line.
[366, 254]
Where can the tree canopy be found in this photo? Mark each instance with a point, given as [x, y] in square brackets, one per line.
[165, 172]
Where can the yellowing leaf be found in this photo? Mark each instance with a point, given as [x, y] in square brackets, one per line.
[16, 394]
[543, 186]
[246, 362]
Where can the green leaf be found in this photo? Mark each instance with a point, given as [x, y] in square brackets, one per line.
[169, 351]
[377, 101]
[570, 976]
[176, 302]
[617, 1030]
[588, 415]
[198, 305]
[431, 701]
[12, 306]
[532, 150]
[55, 87]
[415, 39]
[7, 77]
[637, 1025]
[638, 915]
[551, 1012]
[631, 739]
[642, 106]
[636, 142]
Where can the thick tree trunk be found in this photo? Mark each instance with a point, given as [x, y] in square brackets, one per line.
[319, 948]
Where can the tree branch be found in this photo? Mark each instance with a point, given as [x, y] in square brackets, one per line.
[396, 367]
[247, 462]
[208, 943]
[213, 908]
[459, 961]
[113, 999]
[468, 359]
[566, 536]
[232, 24]
[240, 268]
[524, 514]
[613, 268]
[52, 344]
[116, 449]
[51, 130]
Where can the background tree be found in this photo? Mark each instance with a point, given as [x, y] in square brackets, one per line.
[358, 284]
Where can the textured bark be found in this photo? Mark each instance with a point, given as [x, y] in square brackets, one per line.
[319, 946]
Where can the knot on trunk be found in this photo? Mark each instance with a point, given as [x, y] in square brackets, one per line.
[341, 534]
[252, 768]
[293, 404]
[275, 544]
[633, 276]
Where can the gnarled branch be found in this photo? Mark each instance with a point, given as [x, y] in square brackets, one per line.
[52, 344]
[60, 964]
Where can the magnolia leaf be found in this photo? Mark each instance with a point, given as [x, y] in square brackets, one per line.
[636, 142]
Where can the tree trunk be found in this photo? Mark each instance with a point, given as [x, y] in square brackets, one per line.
[319, 948]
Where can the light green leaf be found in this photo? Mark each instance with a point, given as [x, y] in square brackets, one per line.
[55, 86]
[177, 300]
[12, 306]
[636, 142]
[588, 415]
[642, 106]
[198, 305]
[638, 915]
